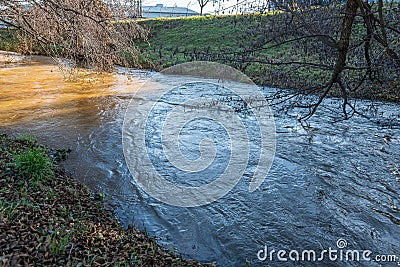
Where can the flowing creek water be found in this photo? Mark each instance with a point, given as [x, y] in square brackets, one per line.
[328, 181]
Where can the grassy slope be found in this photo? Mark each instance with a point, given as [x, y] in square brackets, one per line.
[222, 38]
[190, 34]
[174, 41]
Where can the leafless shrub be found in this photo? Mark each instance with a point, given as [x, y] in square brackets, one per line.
[87, 32]
[350, 48]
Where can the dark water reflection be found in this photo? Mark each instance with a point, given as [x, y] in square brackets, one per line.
[328, 180]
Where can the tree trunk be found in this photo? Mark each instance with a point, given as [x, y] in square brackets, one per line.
[344, 41]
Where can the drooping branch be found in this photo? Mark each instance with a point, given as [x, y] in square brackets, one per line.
[347, 49]
[85, 31]
[343, 46]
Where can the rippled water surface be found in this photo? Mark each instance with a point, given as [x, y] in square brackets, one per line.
[328, 180]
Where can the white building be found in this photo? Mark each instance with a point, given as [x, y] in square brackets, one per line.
[161, 11]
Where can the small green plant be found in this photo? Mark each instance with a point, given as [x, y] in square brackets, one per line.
[8, 210]
[59, 243]
[34, 164]
[99, 197]
[51, 194]
[27, 137]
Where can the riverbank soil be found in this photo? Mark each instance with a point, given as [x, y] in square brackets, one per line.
[49, 219]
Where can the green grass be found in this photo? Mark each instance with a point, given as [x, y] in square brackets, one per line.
[34, 164]
[8, 40]
[222, 39]
[27, 137]
[9, 209]
[240, 41]
[59, 242]
[175, 41]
